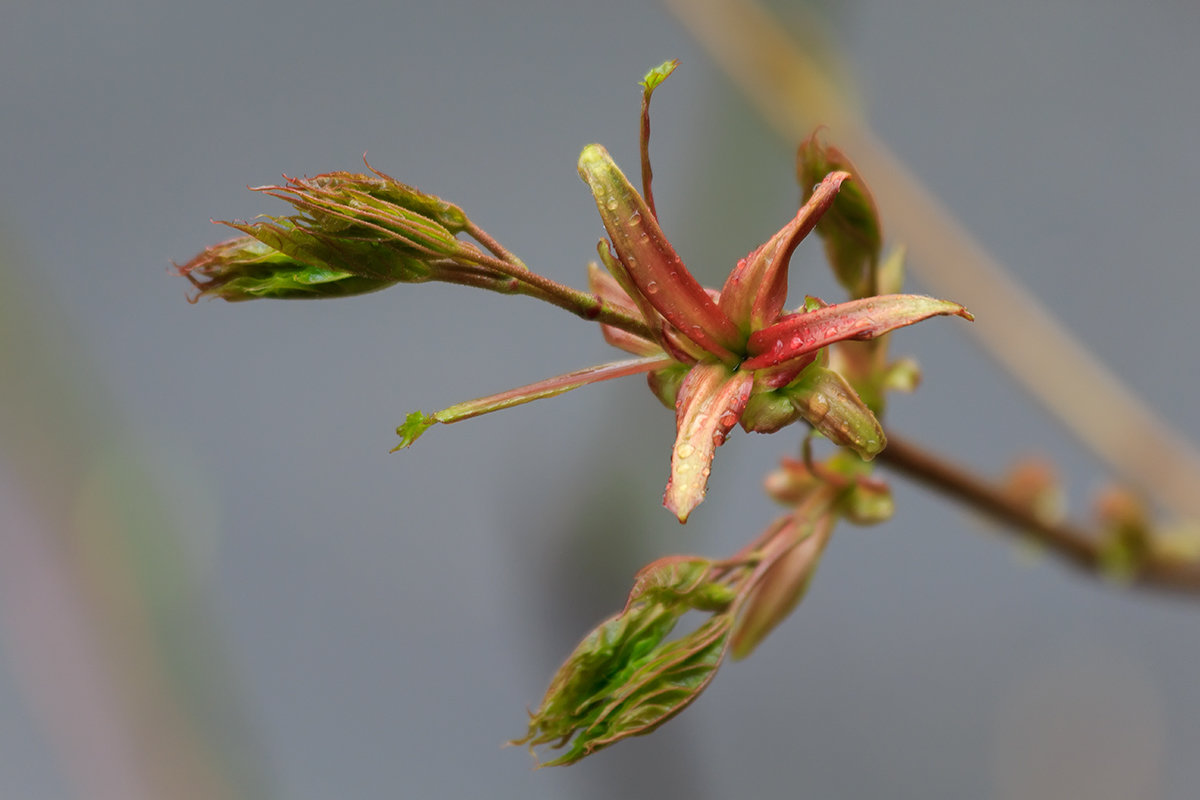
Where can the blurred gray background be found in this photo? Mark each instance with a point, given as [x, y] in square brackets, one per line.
[365, 625]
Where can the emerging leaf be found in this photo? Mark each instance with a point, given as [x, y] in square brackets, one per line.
[352, 234]
[783, 586]
[656, 76]
[710, 403]
[626, 678]
[415, 424]
[851, 230]
[248, 268]
[680, 579]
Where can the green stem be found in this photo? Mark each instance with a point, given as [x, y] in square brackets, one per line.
[520, 280]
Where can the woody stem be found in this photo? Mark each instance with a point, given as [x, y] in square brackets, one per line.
[1077, 546]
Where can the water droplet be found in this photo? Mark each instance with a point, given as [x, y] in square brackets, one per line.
[611, 202]
[705, 472]
[718, 438]
[797, 342]
[635, 218]
[729, 419]
[819, 407]
[651, 287]
[643, 237]
[684, 450]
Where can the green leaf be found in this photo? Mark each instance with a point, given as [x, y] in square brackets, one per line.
[625, 679]
[675, 580]
[656, 76]
[415, 424]
[247, 268]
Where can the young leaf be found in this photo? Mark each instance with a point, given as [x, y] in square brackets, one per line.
[851, 230]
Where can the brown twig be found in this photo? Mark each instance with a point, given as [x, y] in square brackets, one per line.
[1076, 546]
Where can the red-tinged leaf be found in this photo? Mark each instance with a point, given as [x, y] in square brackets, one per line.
[650, 82]
[649, 261]
[756, 289]
[710, 403]
[797, 335]
[784, 584]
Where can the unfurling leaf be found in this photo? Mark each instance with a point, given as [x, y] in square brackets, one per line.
[851, 230]
[626, 678]
[415, 424]
[656, 76]
[678, 580]
[783, 586]
[351, 234]
[248, 268]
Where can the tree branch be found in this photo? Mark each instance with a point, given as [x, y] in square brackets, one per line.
[1078, 547]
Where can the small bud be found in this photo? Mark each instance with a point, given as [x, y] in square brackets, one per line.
[867, 502]
[1033, 484]
[793, 482]
[833, 408]
[1127, 539]
[768, 412]
[665, 383]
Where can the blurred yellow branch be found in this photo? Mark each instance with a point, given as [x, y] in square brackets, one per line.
[794, 94]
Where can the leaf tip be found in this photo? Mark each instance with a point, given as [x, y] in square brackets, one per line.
[654, 78]
[411, 429]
